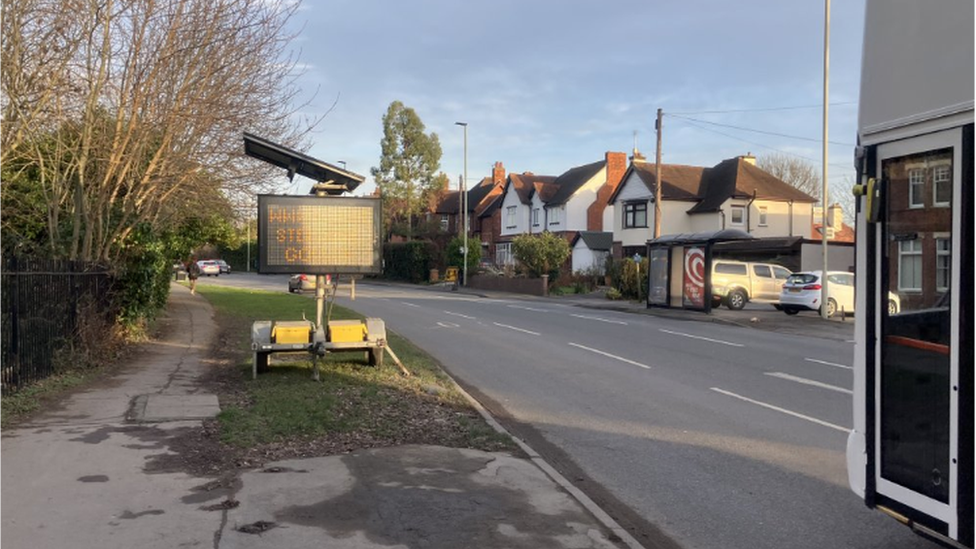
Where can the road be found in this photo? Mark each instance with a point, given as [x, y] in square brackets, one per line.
[701, 435]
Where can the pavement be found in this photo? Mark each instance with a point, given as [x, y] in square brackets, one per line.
[93, 472]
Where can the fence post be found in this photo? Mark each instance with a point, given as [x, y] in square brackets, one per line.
[14, 324]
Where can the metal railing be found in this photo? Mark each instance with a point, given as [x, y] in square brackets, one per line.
[46, 307]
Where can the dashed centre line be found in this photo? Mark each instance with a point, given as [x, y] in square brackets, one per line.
[529, 309]
[410, 304]
[601, 319]
[719, 341]
[515, 328]
[828, 363]
[782, 410]
[620, 358]
[810, 382]
[460, 315]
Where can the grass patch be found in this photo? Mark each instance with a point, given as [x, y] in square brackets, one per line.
[20, 404]
[353, 406]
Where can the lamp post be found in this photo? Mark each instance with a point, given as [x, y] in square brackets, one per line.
[824, 296]
[464, 205]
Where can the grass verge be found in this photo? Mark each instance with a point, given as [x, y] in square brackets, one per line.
[284, 414]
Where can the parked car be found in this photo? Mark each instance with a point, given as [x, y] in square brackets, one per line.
[224, 267]
[802, 292]
[301, 282]
[209, 267]
[735, 283]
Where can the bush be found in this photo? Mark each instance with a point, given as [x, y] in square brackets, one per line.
[614, 294]
[142, 278]
[541, 254]
[410, 261]
[455, 258]
[630, 285]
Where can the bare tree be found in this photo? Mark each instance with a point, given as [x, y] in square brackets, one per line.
[796, 172]
[127, 112]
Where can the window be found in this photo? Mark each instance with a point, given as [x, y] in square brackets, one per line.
[555, 215]
[535, 217]
[503, 254]
[781, 273]
[762, 271]
[635, 215]
[943, 263]
[731, 268]
[762, 216]
[445, 223]
[916, 188]
[942, 183]
[738, 215]
[910, 265]
[841, 279]
[510, 217]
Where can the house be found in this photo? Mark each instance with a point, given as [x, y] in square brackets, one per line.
[590, 250]
[837, 230]
[575, 201]
[734, 193]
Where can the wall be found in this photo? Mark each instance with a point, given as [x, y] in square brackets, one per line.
[585, 258]
[531, 286]
[840, 257]
[537, 203]
[578, 204]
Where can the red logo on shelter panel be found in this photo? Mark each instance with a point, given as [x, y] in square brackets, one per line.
[694, 278]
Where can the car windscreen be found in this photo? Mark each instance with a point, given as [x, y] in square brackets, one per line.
[801, 279]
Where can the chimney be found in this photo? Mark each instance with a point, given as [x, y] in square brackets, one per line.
[835, 217]
[616, 166]
[498, 175]
[749, 159]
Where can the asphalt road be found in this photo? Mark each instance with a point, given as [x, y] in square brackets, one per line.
[716, 436]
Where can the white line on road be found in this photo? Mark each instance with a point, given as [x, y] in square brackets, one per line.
[448, 325]
[516, 329]
[460, 315]
[530, 309]
[600, 319]
[811, 382]
[620, 358]
[410, 304]
[828, 363]
[782, 410]
[729, 343]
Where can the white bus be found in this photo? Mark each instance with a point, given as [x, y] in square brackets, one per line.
[910, 453]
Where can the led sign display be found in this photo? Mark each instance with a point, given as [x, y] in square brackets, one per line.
[318, 235]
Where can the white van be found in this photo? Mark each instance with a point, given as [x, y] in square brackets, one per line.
[735, 283]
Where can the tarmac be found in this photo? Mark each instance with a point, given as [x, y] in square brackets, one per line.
[90, 473]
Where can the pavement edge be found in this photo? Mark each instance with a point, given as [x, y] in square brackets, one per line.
[552, 473]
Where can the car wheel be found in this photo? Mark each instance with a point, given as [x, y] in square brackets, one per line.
[791, 311]
[892, 307]
[831, 308]
[736, 300]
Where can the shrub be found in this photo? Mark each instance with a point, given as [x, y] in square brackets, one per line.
[541, 254]
[455, 258]
[410, 261]
[614, 294]
[630, 284]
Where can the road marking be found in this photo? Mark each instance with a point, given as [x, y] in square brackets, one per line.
[516, 329]
[620, 358]
[811, 382]
[529, 309]
[729, 343]
[828, 363]
[600, 319]
[460, 315]
[783, 410]
[448, 325]
[410, 304]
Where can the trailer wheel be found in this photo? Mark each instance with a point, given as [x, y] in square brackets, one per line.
[376, 357]
[261, 362]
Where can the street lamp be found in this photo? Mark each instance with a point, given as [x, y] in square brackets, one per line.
[464, 207]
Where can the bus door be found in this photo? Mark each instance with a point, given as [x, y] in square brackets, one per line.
[918, 240]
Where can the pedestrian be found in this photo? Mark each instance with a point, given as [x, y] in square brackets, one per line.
[193, 273]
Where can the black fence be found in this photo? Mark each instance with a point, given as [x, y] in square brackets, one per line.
[49, 306]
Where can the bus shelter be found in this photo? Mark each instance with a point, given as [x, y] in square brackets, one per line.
[680, 266]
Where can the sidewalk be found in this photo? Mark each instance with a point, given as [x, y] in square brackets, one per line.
[97, 471]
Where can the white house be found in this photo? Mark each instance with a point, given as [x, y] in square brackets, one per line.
[732, 194]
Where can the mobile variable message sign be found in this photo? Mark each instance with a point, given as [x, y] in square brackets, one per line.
[319, 235]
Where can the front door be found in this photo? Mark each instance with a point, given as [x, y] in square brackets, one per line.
[916, 414]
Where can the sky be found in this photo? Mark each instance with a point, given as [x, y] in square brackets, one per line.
[547, 85]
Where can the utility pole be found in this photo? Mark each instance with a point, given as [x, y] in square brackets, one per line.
[464, 202]
[657, 178]
[824, 296]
